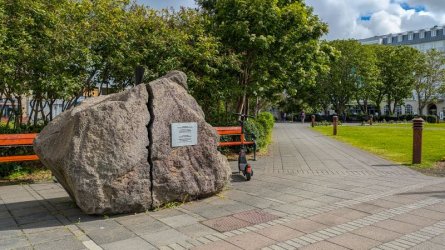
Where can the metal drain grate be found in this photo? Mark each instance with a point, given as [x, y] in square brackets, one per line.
[227, 223]
[255, 216]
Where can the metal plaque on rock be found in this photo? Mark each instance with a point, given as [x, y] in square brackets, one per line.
[184, 134]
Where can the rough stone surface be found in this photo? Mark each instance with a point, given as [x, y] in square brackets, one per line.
[113, 153]
[98, 152]
[182, 173]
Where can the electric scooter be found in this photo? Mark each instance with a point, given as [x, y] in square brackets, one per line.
[243, 165]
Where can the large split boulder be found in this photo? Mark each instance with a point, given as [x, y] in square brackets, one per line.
[113, 154]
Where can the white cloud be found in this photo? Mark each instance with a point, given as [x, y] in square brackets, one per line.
[386, 16]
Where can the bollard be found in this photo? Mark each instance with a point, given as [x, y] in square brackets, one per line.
[371, 119]
[313, 120]
[335, 123]
[417, 140]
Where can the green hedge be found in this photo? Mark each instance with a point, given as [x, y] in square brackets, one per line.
[261, 127]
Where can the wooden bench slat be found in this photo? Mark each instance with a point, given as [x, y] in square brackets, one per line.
[17, 142]
[17, 136]
[17, 158]
[17, 139]
[235, 143]
[228, 130]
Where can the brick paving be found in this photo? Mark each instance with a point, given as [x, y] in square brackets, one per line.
[310, 192]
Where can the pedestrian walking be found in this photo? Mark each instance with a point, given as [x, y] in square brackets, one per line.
[302, 116]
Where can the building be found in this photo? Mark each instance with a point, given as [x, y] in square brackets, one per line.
[423, 40]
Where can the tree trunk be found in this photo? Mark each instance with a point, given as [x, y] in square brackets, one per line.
[257, 106]
[241, 102]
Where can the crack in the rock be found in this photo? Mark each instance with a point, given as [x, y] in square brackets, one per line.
[150, 138]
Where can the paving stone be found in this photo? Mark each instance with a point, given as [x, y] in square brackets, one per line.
[165, 237]
[323, 245]
[217, 245]
[428, 246]
[250, 240]
[40, 226]
[146, 228]
[376, 233]
[429, 214]
[166, 213]
[14, 242]
[279, 233]
[367, 208]
[46, 236]
[67, 243]
[305, 225]
[128, 244]
[348, 213]
[439, 239]
[414, 219]
[179, 220]
[397, 226]
[384, 203]
[353, 241]
[328, 219]
[309, 203]
[196, 230]
[107, 235]
[10, 233]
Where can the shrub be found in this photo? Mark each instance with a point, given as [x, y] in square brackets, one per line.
[431, 119]
[261, 128]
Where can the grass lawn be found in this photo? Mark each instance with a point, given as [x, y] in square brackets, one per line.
[394, 141]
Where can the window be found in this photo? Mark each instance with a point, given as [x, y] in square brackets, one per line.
[386, 110]
[433, 33]
[410, 36]
[398, 110]
[399, 38]
[389, 40]
[422, 34]
[408, 109]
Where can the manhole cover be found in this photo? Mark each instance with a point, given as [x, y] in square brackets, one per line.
[225, 224]
[255, 216]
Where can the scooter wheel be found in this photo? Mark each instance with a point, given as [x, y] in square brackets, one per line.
[248, 172]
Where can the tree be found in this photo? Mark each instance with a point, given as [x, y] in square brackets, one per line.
[276, 43]
[429, 77]
[352, 75]
[396, 64]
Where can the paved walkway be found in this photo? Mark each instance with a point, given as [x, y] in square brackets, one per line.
[311, 192]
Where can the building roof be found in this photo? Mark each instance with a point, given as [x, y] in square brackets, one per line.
[409, 37]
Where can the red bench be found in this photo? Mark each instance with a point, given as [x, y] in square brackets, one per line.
[17, 140]
[235, 131]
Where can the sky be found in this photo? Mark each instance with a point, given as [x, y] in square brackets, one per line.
[360, 18]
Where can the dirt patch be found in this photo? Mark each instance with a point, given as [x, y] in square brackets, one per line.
[438, 170]
[23, 177]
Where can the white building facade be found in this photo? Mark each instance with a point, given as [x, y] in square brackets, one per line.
[423, 40]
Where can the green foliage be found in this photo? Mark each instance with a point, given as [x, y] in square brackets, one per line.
[429, 77]
[261, 128]
[234, 52]
[431, 119]
[396, 73]
[276, 44]
[352, 75]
